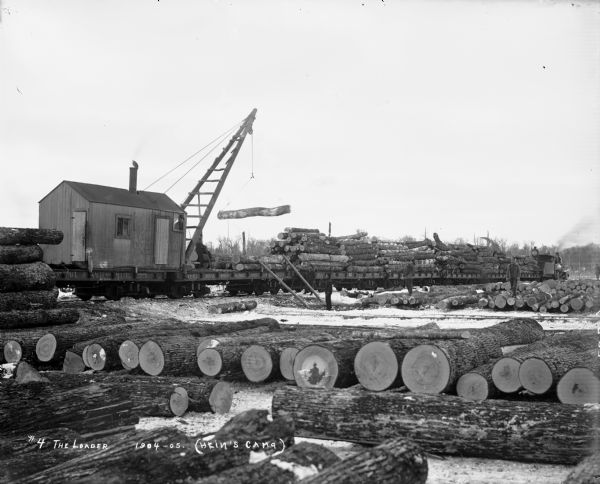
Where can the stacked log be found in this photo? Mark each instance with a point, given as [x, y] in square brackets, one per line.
[548, 296]
[436, 367]
[230, 307]
[505, 372]
[155, 396]
[447, 425]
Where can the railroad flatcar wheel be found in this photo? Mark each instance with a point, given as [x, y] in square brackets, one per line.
[84, 296]
[232, 292]
[113, 293]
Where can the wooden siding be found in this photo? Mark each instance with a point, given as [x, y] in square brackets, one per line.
[138, 249]
[55, 212]
[103, 246]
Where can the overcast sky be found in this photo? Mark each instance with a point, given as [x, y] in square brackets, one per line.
[393, 117]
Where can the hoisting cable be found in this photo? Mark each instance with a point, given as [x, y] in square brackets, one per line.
[196, 153]
[224, 137]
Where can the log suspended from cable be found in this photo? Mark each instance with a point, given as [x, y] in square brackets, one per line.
[171, 456]
[254, 212]
[299, 462]
[14, 236]
[26, 277]
[396, 461]
[443, 424]
[39, 317]
[28, 300]
[20, 254]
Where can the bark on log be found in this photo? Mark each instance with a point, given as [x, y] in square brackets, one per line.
[254, 212]
[541, 373]
[173, 355]
[131, 342]
[231, 307]
[435, 368]
[396, 461]
[163, 460]
[89, 408]
[14, 236]
[37, 318]
[22, 344]
[26, 277]
[20, 254]
[505, 373]
[586, 472]
[156, 396]
[20, 458]
[299, 462]
[513, 430]
[28, 300]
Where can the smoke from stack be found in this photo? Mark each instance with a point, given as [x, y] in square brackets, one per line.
[586, 231]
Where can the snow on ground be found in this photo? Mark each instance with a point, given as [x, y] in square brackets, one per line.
[347, 312]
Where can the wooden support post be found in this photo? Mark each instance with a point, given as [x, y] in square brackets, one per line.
[283, 284]
[302, 278]
[244, 243]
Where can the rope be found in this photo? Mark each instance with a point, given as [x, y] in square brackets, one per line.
[252, 155]
[191, 156]
[223, 137]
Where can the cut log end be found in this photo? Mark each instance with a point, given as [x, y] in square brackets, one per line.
[129, 355]
[152, 360]
[210, 362]
[12, 351]
[25, 373]
[46, 347]
[73, 363]
[286, 362]
[505, 375]
[257, 363]
[96, 357]
[376, 366]
[472, 386]
[221, 397]
[535, 376]
[179, 401]
[425, 369]
[315, 367]
[84, 356]
[578, 386]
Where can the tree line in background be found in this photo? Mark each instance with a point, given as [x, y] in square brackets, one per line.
[579, 260]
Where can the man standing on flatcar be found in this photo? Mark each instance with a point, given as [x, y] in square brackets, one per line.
[512, 275]
[203, 254]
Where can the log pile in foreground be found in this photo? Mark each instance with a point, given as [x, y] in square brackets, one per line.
[396, 461]
[299, 462]
[166, 461]
[512, 430]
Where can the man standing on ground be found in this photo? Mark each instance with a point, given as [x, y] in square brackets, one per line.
[328, 292]
[512, 275]
[597, 271]
[409, 273]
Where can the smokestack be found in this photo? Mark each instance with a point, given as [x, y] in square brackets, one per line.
[133, 178]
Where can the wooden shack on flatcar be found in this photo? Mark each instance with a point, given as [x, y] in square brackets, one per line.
[108, 227]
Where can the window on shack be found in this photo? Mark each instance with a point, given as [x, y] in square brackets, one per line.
[178, 222]
[123, 227]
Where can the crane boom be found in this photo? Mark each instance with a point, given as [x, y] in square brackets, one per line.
[216, 174]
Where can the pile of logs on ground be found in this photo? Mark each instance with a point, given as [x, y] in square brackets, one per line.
[548, 296]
